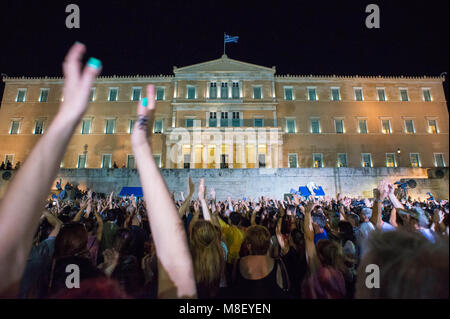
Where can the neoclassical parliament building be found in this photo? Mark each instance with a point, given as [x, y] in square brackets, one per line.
[226, 113]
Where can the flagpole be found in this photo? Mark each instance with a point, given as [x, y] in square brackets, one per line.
[224, 43]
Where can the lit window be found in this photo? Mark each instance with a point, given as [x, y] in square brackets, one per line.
[236, 120]
[315, 126]
[426, 95]
[339, 124]
[81, 161]
[358, 94]
[191, 92]
[106, 160]
[160, 94]
[335, 94]
[113, 92]
[212, 119]
[312, 94]
[386, 127]
[43, 96]
[432, 127]
[224, 90]
[404, 95]
[213, 90]
[92, 95]
[39, 127]
[415, 159]
[15, 127]
[439, 160]
[85, 126]
[110, 126]
[257, 92]
[290, 126]
[366, 160]
[136, 94]
[390, 160]
[342, 160]
[223, 119]
[317, 160]
[293, 161]
[362, 126]
[288, 95]
[158, 127]
[409, 127]
[21, 95]
[381, 94]
[130, 162]
[235, 90]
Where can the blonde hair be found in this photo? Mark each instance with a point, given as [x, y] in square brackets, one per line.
[208, 258]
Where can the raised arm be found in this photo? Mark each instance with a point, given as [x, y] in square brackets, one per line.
[393, 217]
[310, 247]
[19, 218]
[187, 201]
[201, 197]
[99, 222]
[167, 228]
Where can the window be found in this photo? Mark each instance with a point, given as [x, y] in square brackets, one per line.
[317, 160]
[213, 90]
[160, 94]
[386, 126]
[426, 95]
[381, 94]
[21, 95]
[110, 126]
[288, 95]
[312, 96]
[439, 160]
[130, 162]
[113, 92]
[404, 95]
[315, 126]
[358, 94]
[235, 90]
[187, 161]
[258, 122]
[339, 126]
[224, 90]
[257, 92]
[390, 160]
[262, 160]
[335, 94]
[189, 122]
[106, 160]
[212, 119]
[236, 121]
[81, 161]
[409, 126]
[9, 158]
[223, 119]
[38, 127]
[362, 125]
[92, 95]
[43, 96]
[157, 158]
[15, 127]
[191, 92]
[342, 160]
[130, 129]
[86, 127]
[290, 126]
[366, 160]
[293, 161]
[432, 127]
[136, 94]
[158, 127]
[415, 159]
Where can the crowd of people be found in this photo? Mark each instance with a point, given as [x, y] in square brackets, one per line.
[9, 166]
[202, 247]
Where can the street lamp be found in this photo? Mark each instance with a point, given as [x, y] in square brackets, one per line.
[398, 153]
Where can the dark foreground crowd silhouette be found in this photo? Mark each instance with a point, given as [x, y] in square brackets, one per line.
[200, 247]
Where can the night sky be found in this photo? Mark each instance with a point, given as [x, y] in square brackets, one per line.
[298, 37]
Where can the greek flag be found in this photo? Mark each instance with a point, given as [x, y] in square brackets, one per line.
[229, 38]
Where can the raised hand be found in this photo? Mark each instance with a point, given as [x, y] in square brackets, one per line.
[212, 192]
[201, 189]
[191, 186]
[145, 112]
